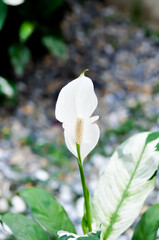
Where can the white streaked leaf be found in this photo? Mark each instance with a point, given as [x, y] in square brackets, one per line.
[63, 235]
[125, 184]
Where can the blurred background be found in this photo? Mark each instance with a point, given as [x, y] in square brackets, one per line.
[44, 44]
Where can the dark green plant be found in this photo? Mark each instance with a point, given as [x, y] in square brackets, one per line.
[37, 26]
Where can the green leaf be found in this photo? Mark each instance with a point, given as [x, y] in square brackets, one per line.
[154, 175]
[6, 88]
[152, 136]
[56, 46]
[25, 31]
[47, 210]
[148, 225]
[24, 228]
[84, 224]
[125, 184]
[19, 56]
[63, 235]
[3, 13]
[157, 147]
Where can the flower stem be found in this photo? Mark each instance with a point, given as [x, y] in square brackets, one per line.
[85, 189]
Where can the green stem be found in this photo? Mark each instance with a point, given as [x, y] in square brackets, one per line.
[85, 189]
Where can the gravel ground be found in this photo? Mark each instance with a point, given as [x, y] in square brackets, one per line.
[124, 66]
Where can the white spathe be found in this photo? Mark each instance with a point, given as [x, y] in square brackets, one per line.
[77, 100]
[124, 185]
[13, 2]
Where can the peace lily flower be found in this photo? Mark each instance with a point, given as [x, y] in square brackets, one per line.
[75, 104]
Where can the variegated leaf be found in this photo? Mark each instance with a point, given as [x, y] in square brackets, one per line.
[125, 183]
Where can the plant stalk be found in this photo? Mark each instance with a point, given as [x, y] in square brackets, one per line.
[85, 189]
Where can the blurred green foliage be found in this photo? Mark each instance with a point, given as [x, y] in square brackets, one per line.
[56, 46]
[132, 125]
[3, 13]
[49, 6]
[35, 29]
[136, 10]
[25, 31]
[5, 88]
[8, 91]
[56, 153]
[137, 17]
[19, 55]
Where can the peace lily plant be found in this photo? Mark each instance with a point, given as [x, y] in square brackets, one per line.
[75, 104]
[122, 188]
